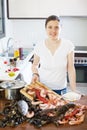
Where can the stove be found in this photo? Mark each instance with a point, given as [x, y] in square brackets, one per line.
[80, 56]
[80, 62]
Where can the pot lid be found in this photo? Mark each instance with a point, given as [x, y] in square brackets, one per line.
[15, 84]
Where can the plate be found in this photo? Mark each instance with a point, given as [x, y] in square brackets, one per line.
[71, 96]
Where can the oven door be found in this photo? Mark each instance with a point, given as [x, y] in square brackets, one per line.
[81, 73]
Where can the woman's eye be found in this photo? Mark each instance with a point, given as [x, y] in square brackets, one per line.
[50, 27]
[56, 27]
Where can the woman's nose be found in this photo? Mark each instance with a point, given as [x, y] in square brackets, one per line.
[54, 30]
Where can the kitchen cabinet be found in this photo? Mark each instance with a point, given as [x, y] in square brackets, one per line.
[42, 9]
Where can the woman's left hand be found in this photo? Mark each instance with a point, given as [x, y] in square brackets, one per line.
[35, 78]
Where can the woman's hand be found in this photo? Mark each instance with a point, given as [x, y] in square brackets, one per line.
[35, 77]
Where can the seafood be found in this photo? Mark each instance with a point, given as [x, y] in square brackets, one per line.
[39, 91]
[74, 115]
[46, 99]
[30, 114]
[12, 117]
[43, 106]
[78, 121]
[69, 113]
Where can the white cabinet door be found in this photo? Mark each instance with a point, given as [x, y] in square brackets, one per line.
[63, 7]
[73, 7]
[23, 8]
[44, 8]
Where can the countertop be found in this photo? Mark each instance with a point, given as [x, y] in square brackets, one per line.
[27, 126]
[21, 64]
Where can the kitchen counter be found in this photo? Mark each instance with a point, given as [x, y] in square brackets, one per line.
[21, 64]
[27, 126]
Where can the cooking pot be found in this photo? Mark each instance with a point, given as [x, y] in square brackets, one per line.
[12, 89]
[2, 93]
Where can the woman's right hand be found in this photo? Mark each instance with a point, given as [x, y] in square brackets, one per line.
[35, 78]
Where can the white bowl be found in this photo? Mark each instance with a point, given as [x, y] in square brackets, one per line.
[71, 96]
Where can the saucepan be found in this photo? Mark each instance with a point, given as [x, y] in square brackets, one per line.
[12, 89]
[2, 93]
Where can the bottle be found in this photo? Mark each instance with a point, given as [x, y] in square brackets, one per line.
[21, 53]
[16, 50]
[16, 53]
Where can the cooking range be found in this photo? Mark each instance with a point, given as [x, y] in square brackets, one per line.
[80, 62]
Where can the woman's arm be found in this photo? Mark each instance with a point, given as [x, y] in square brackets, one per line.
[71, 71]
[35, 76]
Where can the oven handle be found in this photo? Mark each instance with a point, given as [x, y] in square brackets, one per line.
[80, 65]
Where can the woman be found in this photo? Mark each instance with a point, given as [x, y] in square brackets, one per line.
[55, 57]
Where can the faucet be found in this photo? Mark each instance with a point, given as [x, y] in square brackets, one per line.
[9, 47]
[9, 44]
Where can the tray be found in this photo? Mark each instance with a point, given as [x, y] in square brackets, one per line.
[36, 85]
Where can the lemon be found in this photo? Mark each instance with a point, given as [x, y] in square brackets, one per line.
[11, 74]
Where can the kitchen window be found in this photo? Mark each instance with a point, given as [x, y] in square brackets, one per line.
[2, 19]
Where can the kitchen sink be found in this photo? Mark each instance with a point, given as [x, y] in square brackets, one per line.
[7, 55]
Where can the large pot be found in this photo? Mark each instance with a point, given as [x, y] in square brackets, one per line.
[2, 93]
[12, 89]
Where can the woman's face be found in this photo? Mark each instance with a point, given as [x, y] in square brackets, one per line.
[53, 29]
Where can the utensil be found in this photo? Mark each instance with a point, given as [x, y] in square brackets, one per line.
[12, 89]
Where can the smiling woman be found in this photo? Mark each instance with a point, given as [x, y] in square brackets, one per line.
[2, 20]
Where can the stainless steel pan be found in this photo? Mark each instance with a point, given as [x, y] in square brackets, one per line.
[12, 89]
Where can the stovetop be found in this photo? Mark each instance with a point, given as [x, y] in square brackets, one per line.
[80, 60]
[80, 55]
